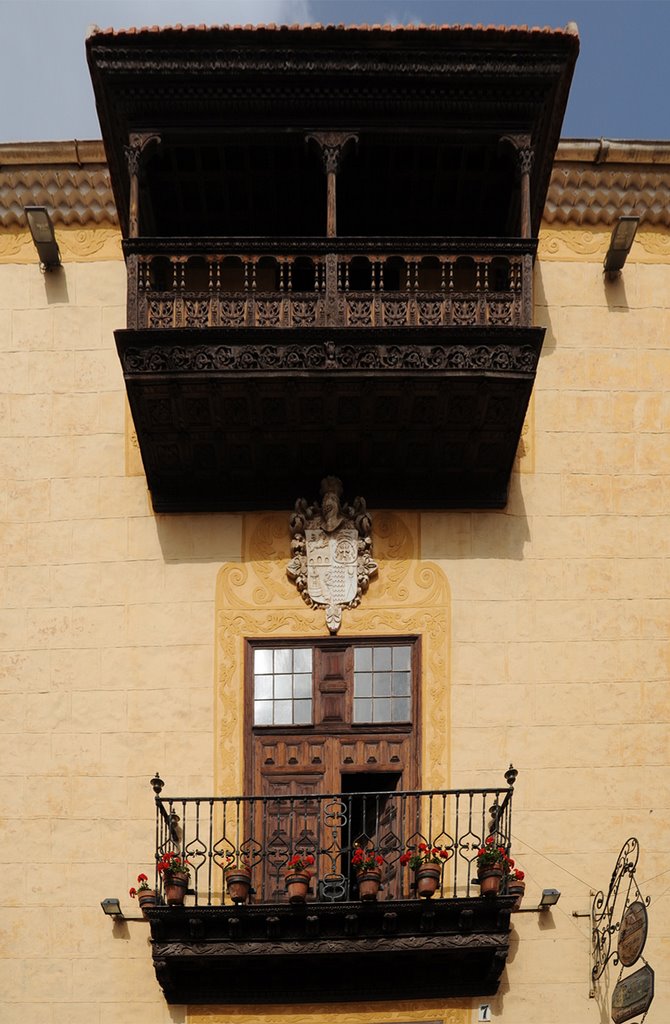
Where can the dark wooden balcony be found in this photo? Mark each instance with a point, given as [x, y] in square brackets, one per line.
[363, 335]
[399, 946]
[255, 366]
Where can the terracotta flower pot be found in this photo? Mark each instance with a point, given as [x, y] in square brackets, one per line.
[516, 888]
[238, 883]
[490, 879]
[427, 880]
[297, 885]
[146, 899]
[368, 883]
[176, 884]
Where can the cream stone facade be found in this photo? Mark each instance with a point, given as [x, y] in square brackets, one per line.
[547, 628]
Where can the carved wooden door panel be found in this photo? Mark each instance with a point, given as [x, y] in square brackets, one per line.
[289, 823]
[307, 773]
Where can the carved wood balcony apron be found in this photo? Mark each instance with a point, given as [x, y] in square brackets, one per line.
[405, 949]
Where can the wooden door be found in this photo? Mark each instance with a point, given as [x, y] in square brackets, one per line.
[309, 773]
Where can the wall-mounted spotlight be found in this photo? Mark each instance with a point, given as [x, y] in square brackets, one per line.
[112, 908]
[620, 245]
[549, 898]
[44, 237]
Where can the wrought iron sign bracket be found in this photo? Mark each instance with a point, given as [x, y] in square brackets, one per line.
[622, 913]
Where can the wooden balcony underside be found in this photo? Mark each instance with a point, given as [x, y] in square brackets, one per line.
[391, 949]
[231, 419]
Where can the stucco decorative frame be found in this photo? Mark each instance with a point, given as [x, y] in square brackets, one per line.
[77, 245]
[254, 598]
[590, 243]
[336, 1013]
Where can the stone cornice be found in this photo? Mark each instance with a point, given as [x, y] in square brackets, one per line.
[601, 151]
[593, 182]
[74, 151]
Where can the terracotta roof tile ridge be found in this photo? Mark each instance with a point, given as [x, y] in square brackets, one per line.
[51, 153]
[570, 29]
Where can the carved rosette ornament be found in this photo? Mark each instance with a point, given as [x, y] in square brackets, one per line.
[332, 552]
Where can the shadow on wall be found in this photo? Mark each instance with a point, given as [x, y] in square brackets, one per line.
[200, 538]
[615, 293]
[55, 286]
[543, 318]
[500, 535]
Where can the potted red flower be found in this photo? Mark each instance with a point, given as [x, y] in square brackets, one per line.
[516, 885]
[174, 869]
[367, 864]
[238, 878]
[493, 865]
[426, 862]
[146, 896]
[298, 875]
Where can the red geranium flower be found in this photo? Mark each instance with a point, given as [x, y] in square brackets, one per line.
[416, 856]
[298, 862]
[366, 859]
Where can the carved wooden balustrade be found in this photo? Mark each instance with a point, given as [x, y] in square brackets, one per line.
[300, 283]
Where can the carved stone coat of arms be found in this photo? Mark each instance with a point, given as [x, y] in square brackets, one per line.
[332, 552]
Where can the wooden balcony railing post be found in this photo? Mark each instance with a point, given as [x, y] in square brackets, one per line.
[134, 269]
[527, 290]
[332, 298]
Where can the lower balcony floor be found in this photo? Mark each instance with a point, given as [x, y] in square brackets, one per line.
[327, 952]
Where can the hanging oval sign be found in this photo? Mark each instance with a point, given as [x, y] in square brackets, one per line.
[632, 934]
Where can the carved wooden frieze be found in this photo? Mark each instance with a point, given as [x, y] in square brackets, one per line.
[332, 552]
[179, 358]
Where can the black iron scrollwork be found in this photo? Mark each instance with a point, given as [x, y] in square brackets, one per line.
[608, 911]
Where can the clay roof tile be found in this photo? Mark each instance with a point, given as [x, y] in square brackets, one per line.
[318, 27]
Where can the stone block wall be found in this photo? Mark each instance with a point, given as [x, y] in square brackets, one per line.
[559, 660]
[561, 626]
[106, 655]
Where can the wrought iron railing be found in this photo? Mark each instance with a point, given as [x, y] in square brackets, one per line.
[213, 833]
[364, 283]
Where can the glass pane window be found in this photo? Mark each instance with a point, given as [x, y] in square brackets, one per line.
[282, 686]
[382, 684]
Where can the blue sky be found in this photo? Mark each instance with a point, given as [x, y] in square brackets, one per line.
[621, 87]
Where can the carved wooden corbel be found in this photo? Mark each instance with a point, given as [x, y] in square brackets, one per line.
[332, 146]
[525, 155]
[137, 145]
